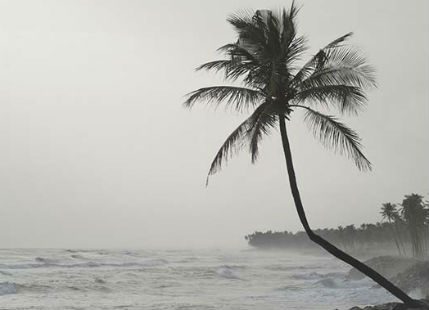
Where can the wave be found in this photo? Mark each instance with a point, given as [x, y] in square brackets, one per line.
[48, 263]
[45, 260]
[328, 282]
[77, 256]
[8, 288]
[279, 267]
[99, 281]
[290, 288]
[317, 275]
[98, 288]
[227, 272]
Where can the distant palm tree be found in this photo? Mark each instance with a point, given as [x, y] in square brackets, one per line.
[389, 213]
[415, 216]
[264, 59]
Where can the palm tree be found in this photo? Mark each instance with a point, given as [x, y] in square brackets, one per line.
[389, 213]
[264, 59]
[426, 234]
[414, 213]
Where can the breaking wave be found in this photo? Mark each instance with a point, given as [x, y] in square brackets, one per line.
[316, 275]
[44, 260]
[47, 263]
[227, 272]
[77, 256]
[329, 283]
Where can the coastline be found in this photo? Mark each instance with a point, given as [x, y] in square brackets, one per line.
[393, 306]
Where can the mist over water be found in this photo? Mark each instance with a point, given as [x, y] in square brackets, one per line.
[178, 279]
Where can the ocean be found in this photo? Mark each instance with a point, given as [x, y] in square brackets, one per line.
[224, 279]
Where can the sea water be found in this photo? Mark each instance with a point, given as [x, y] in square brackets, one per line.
[178, 279]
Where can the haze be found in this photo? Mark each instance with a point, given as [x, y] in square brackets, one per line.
[96, 149]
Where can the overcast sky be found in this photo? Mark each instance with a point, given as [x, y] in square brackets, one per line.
[96, 149]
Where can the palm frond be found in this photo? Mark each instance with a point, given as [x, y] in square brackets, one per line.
[348, 98]
[251, 30]
[232, 144]
[235, 141]
[336, 135]
[338, 41]
[288, 31]
[292, 46]
[239, 98]
[236, 51]
[317, 59]
[341, 66]
[261, 126]
[232, 68]
[216, 65]
[241, 20]
[295, 49]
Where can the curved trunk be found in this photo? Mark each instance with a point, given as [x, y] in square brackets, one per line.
[374, 275]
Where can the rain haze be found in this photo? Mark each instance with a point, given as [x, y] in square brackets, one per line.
[96, 149]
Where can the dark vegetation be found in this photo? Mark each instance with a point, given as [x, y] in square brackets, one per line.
[404, 226]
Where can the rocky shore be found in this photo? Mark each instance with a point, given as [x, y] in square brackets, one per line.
[409, 274]
[392, 306]
[388, 266]
[414, 279]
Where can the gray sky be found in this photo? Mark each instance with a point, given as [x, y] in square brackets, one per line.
[97, 151]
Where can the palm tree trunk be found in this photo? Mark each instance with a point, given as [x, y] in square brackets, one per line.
[374, 275]
[401, 238]
[395, 236]
[402, 243]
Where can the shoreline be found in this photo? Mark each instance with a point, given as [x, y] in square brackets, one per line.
[392, 306]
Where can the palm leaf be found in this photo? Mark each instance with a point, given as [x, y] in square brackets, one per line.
[251, 30]
[232, 68]
[341, 66]
[318, 58]
[349, 98]
[336, 135]
[240, 98]
[232, 144]
[239, 51]
[261, 126]
[288, 31]
[235, 141]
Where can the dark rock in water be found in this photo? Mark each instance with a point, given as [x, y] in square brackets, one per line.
[329, 283]
[388, 266]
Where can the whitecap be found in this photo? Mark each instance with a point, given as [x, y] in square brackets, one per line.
[227, 272]
[77, 256]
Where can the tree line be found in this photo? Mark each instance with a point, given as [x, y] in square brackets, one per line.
[404, 226]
